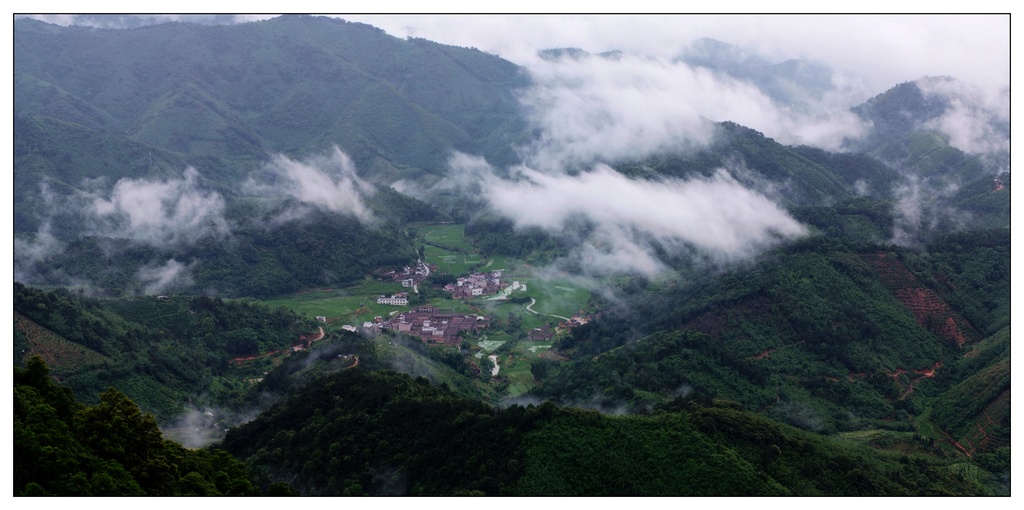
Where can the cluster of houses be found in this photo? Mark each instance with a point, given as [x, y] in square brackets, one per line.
[476, 284]
[429, 324]
[410, 276]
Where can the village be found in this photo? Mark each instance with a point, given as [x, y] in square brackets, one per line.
[409, 276]
[429, 324]
[478, 305]
[477, 285]
[443, 326]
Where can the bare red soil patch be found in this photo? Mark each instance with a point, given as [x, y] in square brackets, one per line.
[930, 310]
[305, 341]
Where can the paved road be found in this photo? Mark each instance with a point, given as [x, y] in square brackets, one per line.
[533, 301]
[426, 269]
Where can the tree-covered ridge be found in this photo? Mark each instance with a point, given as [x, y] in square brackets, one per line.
[100, 108]
[753, 159]
[293, 84]
[814, 335]
[358, 432]
[905, 134]
[316, 250]
[65, 448]
[159, 352]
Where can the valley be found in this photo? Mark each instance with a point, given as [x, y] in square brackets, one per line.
[523, 335]
[303, 255]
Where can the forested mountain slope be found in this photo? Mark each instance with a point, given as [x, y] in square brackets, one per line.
[358, 432]
[294, 84]
[65, 448]
[237, 134]
[162, 353]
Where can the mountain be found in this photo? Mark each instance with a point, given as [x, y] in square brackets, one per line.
[380, 433]
[207, 215]
[96, 109]
[950, 142]
[162, 353]
[294, 84]
[791, 82]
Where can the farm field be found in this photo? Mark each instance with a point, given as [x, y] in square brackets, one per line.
[924, 427]
[557, 297]
[351, 305]
[452, 235]
[454, 254]
[496, 263]
[59, 354]
[451, 262]
[515, 370]
[515, 376]
[458, 305]
[903, 442]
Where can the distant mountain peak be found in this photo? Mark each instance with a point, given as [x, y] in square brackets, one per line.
[796, 82]
[552, 54]
[969, 119]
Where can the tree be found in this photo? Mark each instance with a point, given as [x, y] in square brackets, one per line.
[116, 429]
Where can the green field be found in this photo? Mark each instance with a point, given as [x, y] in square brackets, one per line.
[451, 262]
[497, 263]
[515, 369]
[452, 236]
[454, 254]
[903, 442]
[351, 305]
[557, 297]
[490, 345]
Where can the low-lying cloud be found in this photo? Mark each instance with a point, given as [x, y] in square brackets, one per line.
[172, 213]
[31, 251]
[975, 121]
[921, 207]
[590, 108]
[717, 215]
[160, 212]
[157, 278]
[327, 182]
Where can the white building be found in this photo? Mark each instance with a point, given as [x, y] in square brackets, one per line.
[393, 300]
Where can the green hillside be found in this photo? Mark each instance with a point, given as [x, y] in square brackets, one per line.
[359, 432]
[294, 84]
[66, 448]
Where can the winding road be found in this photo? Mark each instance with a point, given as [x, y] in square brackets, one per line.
[426, 269]
[533, 301]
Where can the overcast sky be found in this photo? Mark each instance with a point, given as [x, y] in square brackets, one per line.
[882, 50]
